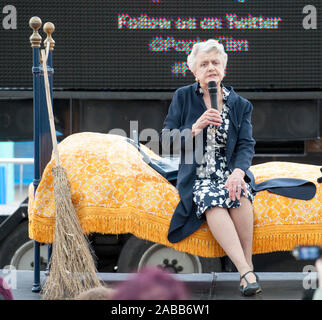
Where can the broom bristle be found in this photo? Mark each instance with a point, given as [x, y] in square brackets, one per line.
[72, 267]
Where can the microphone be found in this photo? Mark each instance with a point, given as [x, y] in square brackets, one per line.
[212, 88]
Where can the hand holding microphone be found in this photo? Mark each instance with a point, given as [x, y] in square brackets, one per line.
[210, 116]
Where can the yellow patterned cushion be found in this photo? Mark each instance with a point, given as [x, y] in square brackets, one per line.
[114, 192]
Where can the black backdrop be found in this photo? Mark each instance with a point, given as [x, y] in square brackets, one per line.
[92, 52]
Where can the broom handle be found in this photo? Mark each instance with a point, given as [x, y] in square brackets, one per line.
[49, 105]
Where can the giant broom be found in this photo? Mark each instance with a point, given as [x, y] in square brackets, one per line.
[72, 268]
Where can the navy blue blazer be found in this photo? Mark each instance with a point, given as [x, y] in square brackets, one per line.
[186, 107]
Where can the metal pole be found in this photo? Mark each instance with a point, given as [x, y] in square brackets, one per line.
[42, 139]
[41, 126]
[35, 39]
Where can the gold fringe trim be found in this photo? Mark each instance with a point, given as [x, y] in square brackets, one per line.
[41, 230]
[155, 228]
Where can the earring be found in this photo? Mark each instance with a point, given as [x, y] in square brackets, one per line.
[197, 80]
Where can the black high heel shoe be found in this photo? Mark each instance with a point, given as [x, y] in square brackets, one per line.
[251, 288]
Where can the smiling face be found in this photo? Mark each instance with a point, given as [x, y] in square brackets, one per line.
[209, 66]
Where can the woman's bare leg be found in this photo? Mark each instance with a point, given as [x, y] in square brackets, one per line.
[224, 231]
[243, 219]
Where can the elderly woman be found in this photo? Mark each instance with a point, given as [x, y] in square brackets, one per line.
[216, 188]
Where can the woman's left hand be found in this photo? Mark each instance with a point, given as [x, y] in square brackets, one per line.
[235, 183]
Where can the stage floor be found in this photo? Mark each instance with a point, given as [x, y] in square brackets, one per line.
[206, 286]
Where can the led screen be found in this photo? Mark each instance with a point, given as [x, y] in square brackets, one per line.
[143, 44]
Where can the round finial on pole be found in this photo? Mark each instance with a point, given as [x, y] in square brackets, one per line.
[49, 28]
[35, 39]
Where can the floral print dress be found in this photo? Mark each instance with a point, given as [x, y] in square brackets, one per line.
[209, 187]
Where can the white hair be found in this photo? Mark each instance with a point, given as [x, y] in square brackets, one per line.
[206, 46]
